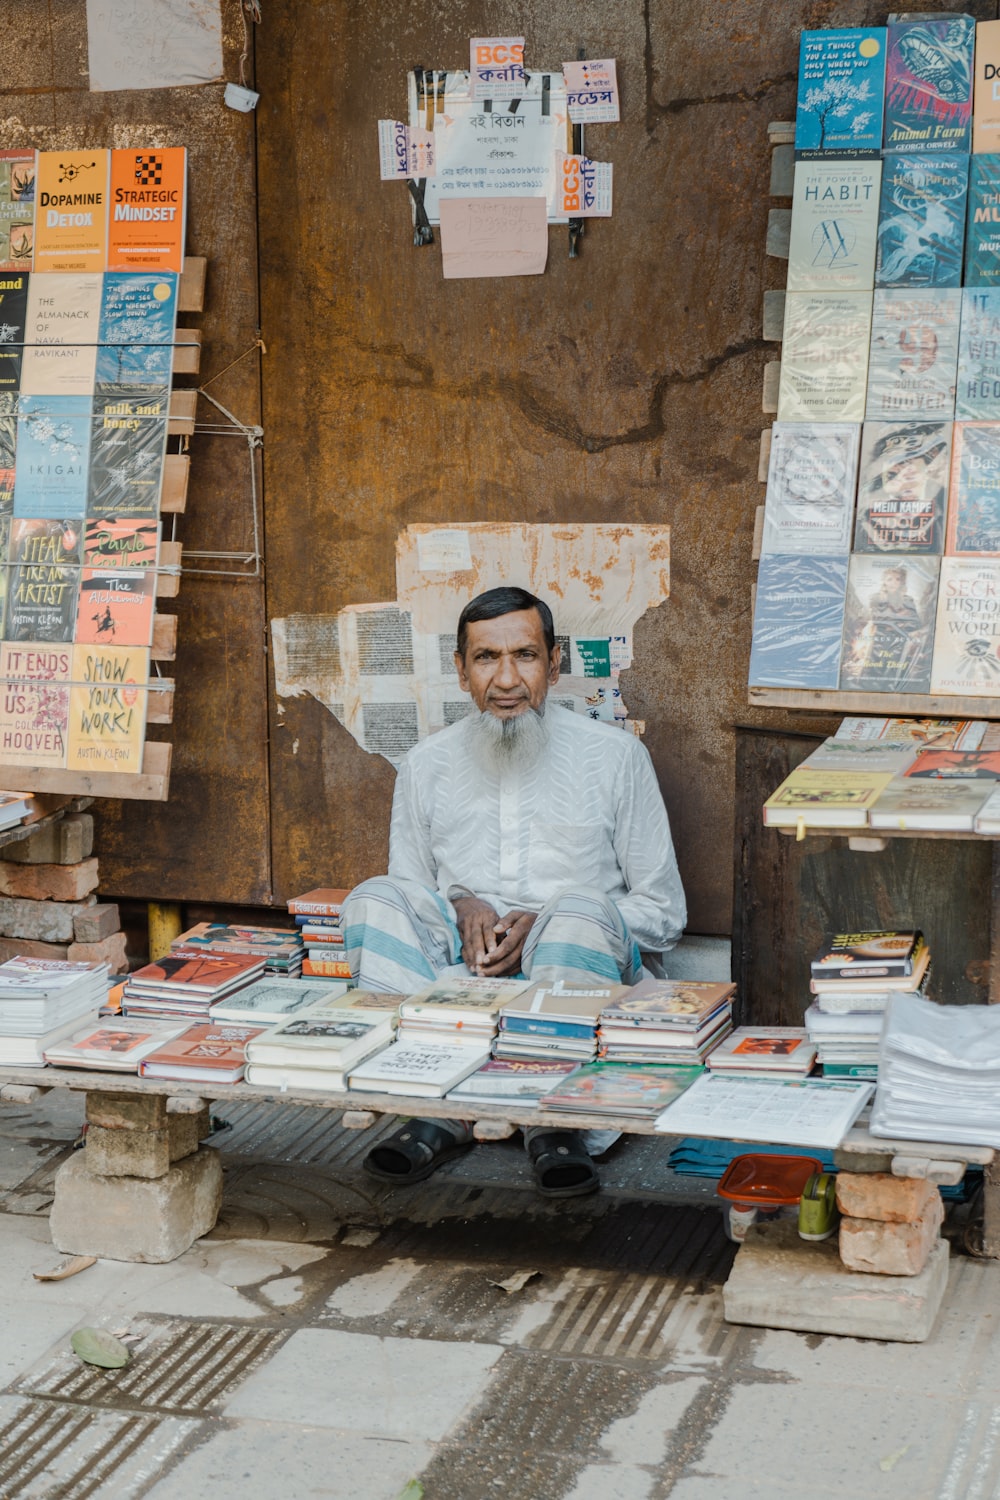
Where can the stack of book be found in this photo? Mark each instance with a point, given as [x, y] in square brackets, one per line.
[210, 1052]
[939, 1073]
[856, 972]
[502, 1081]
[117, 1045]
[666, 1021]
[619, 1089]
[280, 947]
[317, 916]
[14, 807]
[764, 1052]
[43, 1000]
[554, 1021]
[316, 1049]
[846, 1044]
[457, 1010]
[186, 984]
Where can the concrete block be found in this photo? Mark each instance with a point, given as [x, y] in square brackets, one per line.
[126, 1111]
[128, 1153]
[780, 1281]
[132, 1219]
[879, 1195]
[49, 882]
[890, 1249]
[862, 1161]
[21, 948]
[97, 922]
[943, 1173]
[185, 1131]
[67, 841]
[110, 950]
[40, 921]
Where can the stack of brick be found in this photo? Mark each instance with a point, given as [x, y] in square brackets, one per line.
[48, 906]
[890, 1224]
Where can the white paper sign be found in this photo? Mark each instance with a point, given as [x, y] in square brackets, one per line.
[404, 151]
[496, 66]
[443, 552]
[592, 91]
[584, 187]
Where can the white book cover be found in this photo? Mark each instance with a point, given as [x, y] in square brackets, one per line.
[913, 363]
[824, 356]
[967, 633]
[421, 1069]
[787, 1111]
[117, 1044]
[862, 755]
[272, 1001]
[61, 335]
[29, 1051]
[977, 394]
[915, 803]
[988, 817]
[750, 1048]
[324, 1036]
[811, 478]
[834, 225]
[924, 734]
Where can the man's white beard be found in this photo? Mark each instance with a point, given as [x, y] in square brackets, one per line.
[509, 744]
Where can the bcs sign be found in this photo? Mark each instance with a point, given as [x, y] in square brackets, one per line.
[496, 66]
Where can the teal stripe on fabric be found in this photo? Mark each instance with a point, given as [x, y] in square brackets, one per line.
[456, 936]
[572, 956]
[363, 935]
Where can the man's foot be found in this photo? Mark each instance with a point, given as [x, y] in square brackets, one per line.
[561, 1164]
[417, 1150]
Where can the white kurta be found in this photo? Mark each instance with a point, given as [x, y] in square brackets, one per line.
[589, 814]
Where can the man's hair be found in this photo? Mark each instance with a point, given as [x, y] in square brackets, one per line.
[504, 601]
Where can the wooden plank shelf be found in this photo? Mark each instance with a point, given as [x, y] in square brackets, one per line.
[151, 784]
[187, 351]
[168, 585]
[160, 708]
[191, 284]
[879, 835]
[886, 705]
[164, 638]
[173, 493]
[180, 421]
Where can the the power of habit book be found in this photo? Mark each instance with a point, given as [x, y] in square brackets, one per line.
[91, 248]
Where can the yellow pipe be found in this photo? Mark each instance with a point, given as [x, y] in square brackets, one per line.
[165, 924]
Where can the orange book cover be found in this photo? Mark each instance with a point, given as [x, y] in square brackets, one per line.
[207, 1046]
[324, 901]
[202, 972]
[148, 209]
[326, 968]
[986, 89]
[71, 220]
[115, 606]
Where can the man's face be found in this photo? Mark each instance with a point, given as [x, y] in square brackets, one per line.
[506, 667]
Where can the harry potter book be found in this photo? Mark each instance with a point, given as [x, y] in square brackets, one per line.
[903, 487]
[889, 623]
[928, 103]
[921, 222]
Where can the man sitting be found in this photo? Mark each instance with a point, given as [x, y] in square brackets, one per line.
[525, 839]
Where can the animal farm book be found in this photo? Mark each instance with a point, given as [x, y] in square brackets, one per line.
[928, 94]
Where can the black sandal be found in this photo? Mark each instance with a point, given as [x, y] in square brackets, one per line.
[561, 1164]
[414, 1152]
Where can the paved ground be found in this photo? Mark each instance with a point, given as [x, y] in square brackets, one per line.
[335, 1339]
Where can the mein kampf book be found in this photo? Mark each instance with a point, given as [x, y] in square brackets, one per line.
[903, 487]
[921, 222]
[798, 621]
[148, 209]
[13, 317]
[811, 479]
[986, 91]
[128, 440]
[928, 94]
[107, 708]
[967, 634]
[974, 497]
[17, 210]
[71, 222]
[209, 1052]
[913, 363]
[138, 317]
[923, 804]
[824, 356]
[50, 464]
[62, 325]
[34, 704]
[834, 225]
[889, 623]
[982, 238]
[841, 93]
[865, 955]
[43, 580]
[977, 393]
[825, 799]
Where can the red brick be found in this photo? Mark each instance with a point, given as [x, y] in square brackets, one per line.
[24, 948]
[49, 882]
[109, 950]
[878, 1195]
[890, 1249]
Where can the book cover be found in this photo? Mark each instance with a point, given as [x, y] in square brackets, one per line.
[948, 805]
[112, 543]
[921, 219]
[986, 89]
[17, 210]
[856, 955]
[326, 968]
[819, 799]
[43, 578]
[861, 755]
[202, 974]
[71, 221]
[913, 364]
[841, 92]
[977, 393]
[834, 226]
[117, 1046]
[903, 487]
[138, 315]
[811, 478]
[420, 1069]
[967, 632]
[928, 84]
[889, 623]
[824, 356]
[750, 1048]
[13, 317]
[128, 441]
[982, 237]
[798, 621]
[148, 209]
[34, 704]
[475, 994]
[62, 328]
[783, 1111]
[324, 1036]
[107, 708]
[208, 1049]
[956, 765]
[324, 901]
[620, 1089]
[241, 939]
[671, 1003]
[115, 607]
[507, 1078]
[575, 1005]
[51, 457]
[974, 495]
[8, 450]
[267, 1001]
[987, 819]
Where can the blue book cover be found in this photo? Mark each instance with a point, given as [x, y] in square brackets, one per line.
[138, 317]
[977, 393]
[51, 457]
[928, 84]
[982, 239]
[841, 92]
[536, 1026]
[921, 221]
[798, 621]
